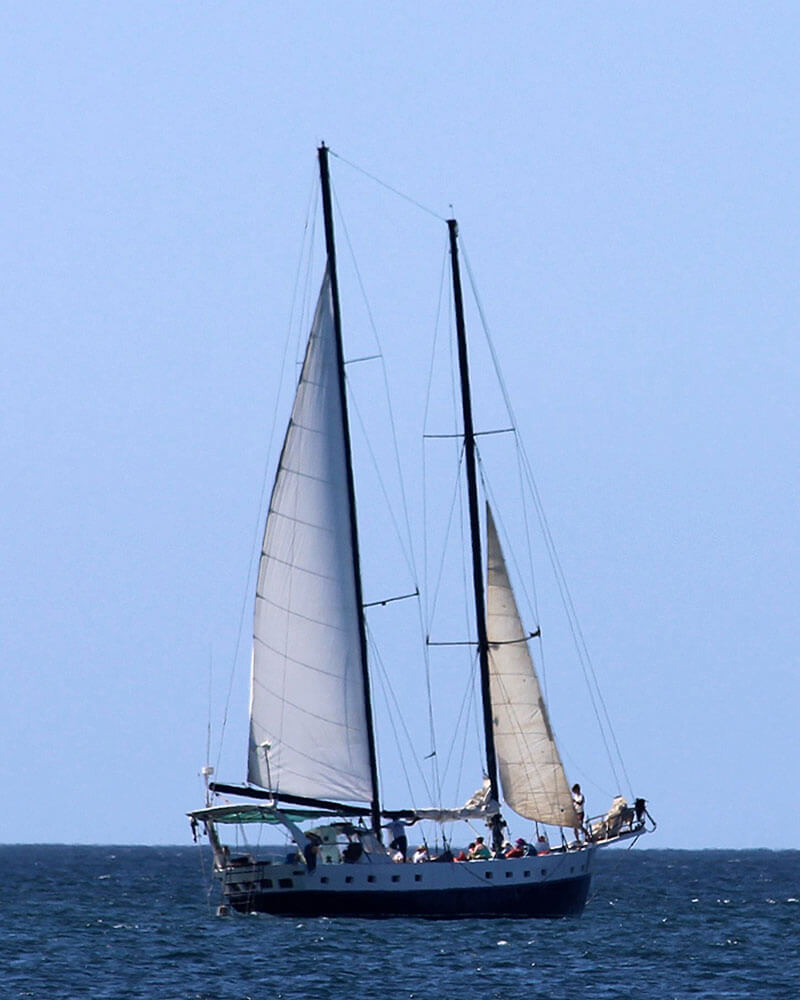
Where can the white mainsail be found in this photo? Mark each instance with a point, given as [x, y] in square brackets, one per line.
[531, 772]
[308, 726]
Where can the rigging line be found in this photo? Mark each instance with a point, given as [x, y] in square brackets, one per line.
[407, 544]
[577, 632]
[583, 657]
[464, 707]
[388, 187]
[436, 328]
[472, 714]
[456, 496]
[208, 724]
[465, 712]
[385, 492]
[392, 702]
[490, 343]
[307, 239]
[465, 732]
[425, 532]
[587, 777]
[409, 553]
[434, 591]
[423, 612]
[477, 711]
[529, 550]
[580, 639]
[593, 687]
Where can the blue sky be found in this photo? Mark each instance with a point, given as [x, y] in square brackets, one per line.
[625, 182]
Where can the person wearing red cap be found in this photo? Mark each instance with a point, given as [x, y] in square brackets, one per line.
[518, 850]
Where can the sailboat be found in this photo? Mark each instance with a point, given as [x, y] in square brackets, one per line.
[312, 763]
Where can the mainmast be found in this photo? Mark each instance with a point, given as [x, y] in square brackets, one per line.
[475, 532]
[330, 246]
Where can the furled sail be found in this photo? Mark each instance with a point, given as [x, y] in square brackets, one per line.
[308, 726]
[531, 772]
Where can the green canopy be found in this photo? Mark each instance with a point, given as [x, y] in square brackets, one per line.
[245, 812]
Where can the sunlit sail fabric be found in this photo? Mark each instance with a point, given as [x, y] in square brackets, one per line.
[531, 772]
[308, 728]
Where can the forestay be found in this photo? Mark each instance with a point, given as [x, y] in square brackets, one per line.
[308, 728]
[531, 772]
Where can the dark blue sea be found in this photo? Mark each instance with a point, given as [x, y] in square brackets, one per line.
[138, 922]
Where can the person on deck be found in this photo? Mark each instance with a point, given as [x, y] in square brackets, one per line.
[542, 844]
[354, 848]
[519, 850]
[421, 854]
[579, 805]
[311, 850]
[480, 852]
[397, 831]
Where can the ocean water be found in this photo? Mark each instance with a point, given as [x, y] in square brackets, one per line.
[134, 922]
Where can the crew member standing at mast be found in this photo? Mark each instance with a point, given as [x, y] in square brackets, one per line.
[579, 804]
[397, 832]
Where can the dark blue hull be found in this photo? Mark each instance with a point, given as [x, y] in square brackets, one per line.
[562, 898]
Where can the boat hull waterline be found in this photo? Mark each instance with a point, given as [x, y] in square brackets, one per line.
[545, 886]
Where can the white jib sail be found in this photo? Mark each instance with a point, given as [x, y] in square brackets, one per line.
[531, 772]
[308, 728]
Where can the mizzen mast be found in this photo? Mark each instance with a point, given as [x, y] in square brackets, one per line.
[475, 532]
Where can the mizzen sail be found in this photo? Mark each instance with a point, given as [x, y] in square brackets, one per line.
[531, 772]
[308, 725]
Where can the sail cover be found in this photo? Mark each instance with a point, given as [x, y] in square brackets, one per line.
[531, 772]
[308, 727]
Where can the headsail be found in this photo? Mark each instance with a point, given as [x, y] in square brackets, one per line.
[308, 726]
[531, 772]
